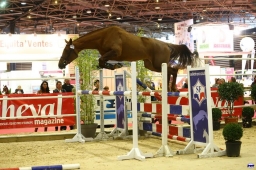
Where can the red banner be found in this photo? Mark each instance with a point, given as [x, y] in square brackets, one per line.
[19, 113]
[216, 102]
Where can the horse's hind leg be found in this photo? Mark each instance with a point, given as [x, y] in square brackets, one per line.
[104, 59]
[173, 72]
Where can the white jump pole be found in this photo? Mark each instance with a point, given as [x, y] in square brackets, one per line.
[101, 135]
[78, 137]
[164, 150]
[135, 152]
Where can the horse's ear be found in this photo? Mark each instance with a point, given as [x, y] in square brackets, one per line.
[66, 41]
[70, 41]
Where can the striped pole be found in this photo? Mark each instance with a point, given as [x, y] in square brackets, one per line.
[106, 93]
[169, 117]
[179, 138]
[174, 137]
[50, 167]
[178, 94]
[145, 87]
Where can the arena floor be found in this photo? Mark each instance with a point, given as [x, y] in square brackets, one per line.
[102, 155]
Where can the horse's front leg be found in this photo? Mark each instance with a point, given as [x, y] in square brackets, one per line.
[106, 57]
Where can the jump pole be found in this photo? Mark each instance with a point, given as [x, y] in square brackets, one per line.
[135, 152]
[164, 149]
[78, 137]
[49, 167]
[102, 135]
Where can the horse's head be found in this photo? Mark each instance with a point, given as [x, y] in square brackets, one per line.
[68, 54]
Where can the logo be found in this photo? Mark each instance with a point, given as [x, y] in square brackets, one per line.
[120, 87]
[199, 92]
[250, 165]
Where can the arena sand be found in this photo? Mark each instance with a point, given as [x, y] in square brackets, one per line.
[102, 155]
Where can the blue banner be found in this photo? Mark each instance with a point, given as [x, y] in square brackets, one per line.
[120, 102]
[198, 100]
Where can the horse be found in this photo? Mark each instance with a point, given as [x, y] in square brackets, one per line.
[114, 43]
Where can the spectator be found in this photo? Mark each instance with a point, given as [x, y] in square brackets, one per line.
[151, 85]
[19, 90]
[217, 83]
[254, 81]
[59, 89]
[5, 90]
[97, 85]
[44, 88]
[185, 85]
[106, 88]
[232, 79]
[67, 86]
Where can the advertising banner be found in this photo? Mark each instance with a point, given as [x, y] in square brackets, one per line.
[215, 102]
[182, 36]
[199, 99]
[13, 113]
[33, 43]
[120, 101]
[214, 38]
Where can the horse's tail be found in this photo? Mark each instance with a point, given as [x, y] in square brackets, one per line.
[183, 55]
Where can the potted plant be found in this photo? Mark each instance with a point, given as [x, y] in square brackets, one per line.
[230, 92]
[216, 117]
[247, 114]
[232, 133]
[87, 63]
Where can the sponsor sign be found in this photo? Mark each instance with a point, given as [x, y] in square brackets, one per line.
[120, 101]
[19, 113]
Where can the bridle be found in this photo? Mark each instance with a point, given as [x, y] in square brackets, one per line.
[71, 49]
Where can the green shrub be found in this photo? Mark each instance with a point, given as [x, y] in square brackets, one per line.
[248, 112]
[253, 92]
[230, 92]
[232, 132]
[216, 114]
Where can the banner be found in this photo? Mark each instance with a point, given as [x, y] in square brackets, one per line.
[182, 36]
[214, 38]
[119, 79]
[215, 102]
[13, 113]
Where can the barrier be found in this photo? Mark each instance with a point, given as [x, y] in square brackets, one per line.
[49, 167]
[199, 90]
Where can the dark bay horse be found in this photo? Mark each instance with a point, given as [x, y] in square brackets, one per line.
[114, 43]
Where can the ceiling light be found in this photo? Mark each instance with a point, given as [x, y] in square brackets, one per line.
[109, 15]
[118, 18]
[157, 0]
[197, 20]
[88, 11]
[159, 19]
[157, 7]
[29, 16]
[23, 3]
[3, 4]
[11, 10]
[56, 2]
[106, 5]
[74, 16]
